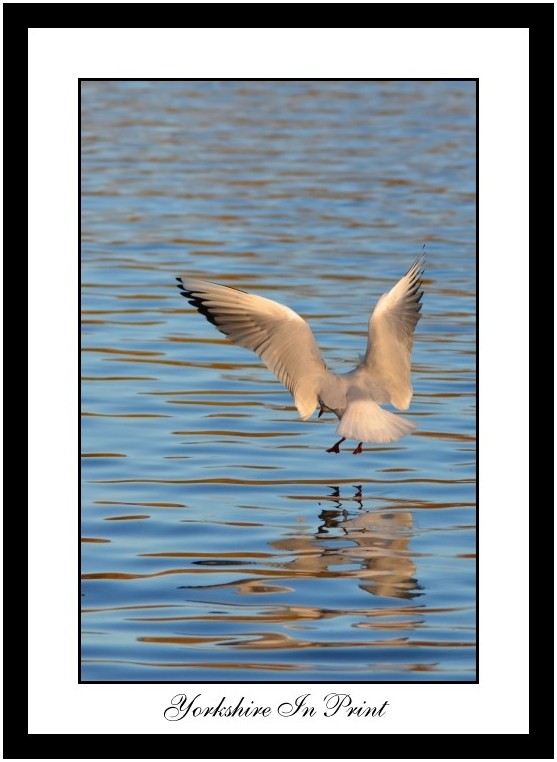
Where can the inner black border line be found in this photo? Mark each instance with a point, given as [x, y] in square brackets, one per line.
[79, 595]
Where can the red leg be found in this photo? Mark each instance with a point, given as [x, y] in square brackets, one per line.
[334, 448]
[358, 449]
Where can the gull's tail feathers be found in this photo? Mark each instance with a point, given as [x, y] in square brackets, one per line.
[364, 421]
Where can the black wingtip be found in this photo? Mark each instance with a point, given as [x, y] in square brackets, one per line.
[417, 267]
[197, 302]
[183, 289]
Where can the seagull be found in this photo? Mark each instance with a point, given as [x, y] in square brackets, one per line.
[285, 343]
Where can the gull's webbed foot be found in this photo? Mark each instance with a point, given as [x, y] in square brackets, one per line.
[334, 448]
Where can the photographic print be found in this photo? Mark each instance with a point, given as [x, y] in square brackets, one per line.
[278, 377]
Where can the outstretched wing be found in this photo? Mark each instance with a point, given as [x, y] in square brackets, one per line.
[277, 334]
[389, 345]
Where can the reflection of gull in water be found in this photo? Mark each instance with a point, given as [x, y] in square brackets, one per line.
[378, 545]
[368, 546]
[285, 343]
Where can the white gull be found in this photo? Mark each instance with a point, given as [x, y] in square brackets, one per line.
[285, 343]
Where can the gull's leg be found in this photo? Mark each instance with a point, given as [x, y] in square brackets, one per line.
[358, 449]
[334, 448]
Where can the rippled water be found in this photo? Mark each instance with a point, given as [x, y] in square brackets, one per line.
[220, 542]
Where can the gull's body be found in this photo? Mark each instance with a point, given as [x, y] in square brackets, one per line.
[286, 345]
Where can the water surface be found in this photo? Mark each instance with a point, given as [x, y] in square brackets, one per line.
[220, 542]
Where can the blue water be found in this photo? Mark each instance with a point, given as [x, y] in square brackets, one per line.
[220, 542]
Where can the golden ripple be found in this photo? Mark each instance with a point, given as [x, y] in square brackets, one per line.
[197, 242]
[180, 641]
[242, 554]
[103, 455]
[449, 436]
[145, 505]
[122, 322]
[395, 470]
[229, 392]
[394, 181]
[107, 350]
[127, 518]
[277, 482]
[126, 415]
[139, 607]
[150, 297]
[250, 434]
[203, 665]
